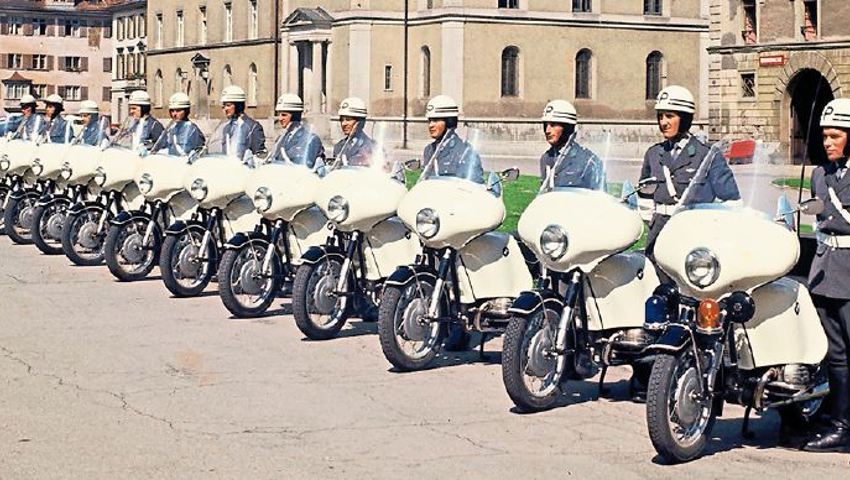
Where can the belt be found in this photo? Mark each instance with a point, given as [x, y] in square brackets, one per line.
[664, 209]
[834, 241]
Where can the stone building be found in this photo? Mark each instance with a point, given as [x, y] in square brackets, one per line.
[502, 59]
[55, 46]
[774, 64]
[129, 29]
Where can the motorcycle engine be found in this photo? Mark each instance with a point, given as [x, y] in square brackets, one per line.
[798, 374]
[635, 339]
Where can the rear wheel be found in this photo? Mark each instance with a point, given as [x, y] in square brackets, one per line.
[81, 241]
[244, 289]
[47, 226]
[126, 254]
[184, 272]
[319, 313]
[409, 340]
[18, 218]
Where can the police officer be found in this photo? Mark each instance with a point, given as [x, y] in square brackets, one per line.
[56, 129]
[242, 133]
[93, 132]
[829, 278]
[448, 154]
[147, 129]
[297, 143]
[182, 136]
[566, 163]
[357, 147]
[32, 124]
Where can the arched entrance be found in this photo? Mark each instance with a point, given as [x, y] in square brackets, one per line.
[807, 94]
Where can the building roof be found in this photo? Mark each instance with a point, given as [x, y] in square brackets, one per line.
[16, 78]
[314, 17]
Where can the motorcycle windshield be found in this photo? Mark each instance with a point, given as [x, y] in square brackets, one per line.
[10, 124]
[232, 138]
[576, 165]
[297, 145]
[30, 128]
[454, 156]
[96, 132]
[376, 152]
[178, 139]
[125, 136]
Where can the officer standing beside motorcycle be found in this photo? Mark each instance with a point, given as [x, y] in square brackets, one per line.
[29, 128]
[297, 143]
[91, 134]
[57, 129]
[830, 271]
[242, 133]
[448, 154]
[356, 148]
[182, 136]
[147, 129]
[567, 162]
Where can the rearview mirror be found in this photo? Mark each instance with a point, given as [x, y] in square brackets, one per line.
[412, 164]
[628, 195]
[812, 206]
[510, 174]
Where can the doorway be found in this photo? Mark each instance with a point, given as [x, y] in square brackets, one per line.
[809, 92]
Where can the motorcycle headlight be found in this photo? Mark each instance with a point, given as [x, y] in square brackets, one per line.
[338, 209]
[37, 167]
[100, 176]
[4, 163]
[554, 242]
[146, 183]
[702, 267]
[198, 190]
[263, 199]
[427, 223]
[66, 171]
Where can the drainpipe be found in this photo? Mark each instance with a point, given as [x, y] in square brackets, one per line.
[276, 36]
[404, 113]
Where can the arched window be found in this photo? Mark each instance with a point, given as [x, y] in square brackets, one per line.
[583, 73]
[654, 74]
[510, 72]
[157, 88]
[178, 80]
[226, 77]
[252, 85]
[425, 72]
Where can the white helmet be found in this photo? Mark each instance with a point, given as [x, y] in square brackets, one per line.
[178, 100]
[54, 99]
[88, 106]
[233, 94]
[836, 114]
[289, 102]
[352, 107]
[560, 111]
[442, 106]
[139, 97]
[675, 98]
[26, 99]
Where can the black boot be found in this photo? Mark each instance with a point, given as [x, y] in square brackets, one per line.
[641, 369]
[836, 439]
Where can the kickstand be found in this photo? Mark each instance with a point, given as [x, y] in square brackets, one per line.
[481, 347]
[602, 389]
[745, 428]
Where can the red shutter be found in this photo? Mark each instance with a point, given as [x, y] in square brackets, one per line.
[50, 59]
[84, 93]
[107, 94]
[4, 25]
[107, 64]
[28, 62]
[51, 89]
[60, 63]
[28, 29]
[51, 30]
[4, 60]
[84, 64]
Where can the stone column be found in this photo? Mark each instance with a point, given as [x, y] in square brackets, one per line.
[292, 77]
[316, 80]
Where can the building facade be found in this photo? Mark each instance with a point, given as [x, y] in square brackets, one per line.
[774, 65]
[55, 46]
[129, 29]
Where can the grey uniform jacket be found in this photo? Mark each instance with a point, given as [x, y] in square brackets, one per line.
[579, 168]
[31, 127]
[92, 133]
[181, 138]
[252, 137]
[830, 273]
[455, 158]
[151, 130]
[57, 130]
[357, 148]
[300, 145]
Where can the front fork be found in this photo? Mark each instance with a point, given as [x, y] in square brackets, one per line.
[157, 207]
[443, 270]
[108, 204]
[574, 285]
[351, 251]
[277, 231]
[208, 233]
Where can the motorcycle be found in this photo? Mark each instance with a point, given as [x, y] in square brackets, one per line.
[583, 314]
[465, 276]
[735, 328]
[256, 263]
[345, 276]
[22, 186]
[192, 249]
[135, 236]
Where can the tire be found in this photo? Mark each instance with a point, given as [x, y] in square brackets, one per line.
[527, 341]
[311, 302]
[47, 222]
[675, 376]
[125, 255]
[182, 273]
[4, 190]
[18, 216]
[80, 241]
[239, 275]
[408, 344]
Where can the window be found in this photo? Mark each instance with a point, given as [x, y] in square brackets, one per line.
[131, 27]
[583, 59]
[508, 3]
[179, 81]
[748, 85]
[228, 22]
[254, 27]
[654, 64]
[39, 27]
[39, 90]
[425, 73]
[159, 30]
[72, 28]
[652, 7]
[582, 5]
[180, 29]
[16, 26]
[121, 66]
[510, 72]
[131, 64]
[226, 77]
[252, 85]
[39, 62]
[119, 29]
[71, 92]
[750, 31]
[106, 94]
[143, 27]
[140, 63]
[810, 20]
[72, 64]
[14, 91]
[15, 61]
[388, 78]
[157, 88]
[202, 25]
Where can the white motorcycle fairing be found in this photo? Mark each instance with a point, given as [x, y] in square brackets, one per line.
[615, 288]
[492, 266]
[119, 166]
[20, 154]
[307, 229]
[386, 246]
[371, 193]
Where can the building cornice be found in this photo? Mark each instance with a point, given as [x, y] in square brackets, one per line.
[211, 46]
[785, 46]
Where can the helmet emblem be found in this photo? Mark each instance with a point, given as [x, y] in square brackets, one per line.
[828, 111]
[549, 109]
[664, 96]
[344, 105]
[429, 108]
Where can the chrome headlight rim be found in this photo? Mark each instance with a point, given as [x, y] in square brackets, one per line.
[702, 267]
[338, 209]
[66, 171]
[37, 168]
[5, 163]
[198, 190]
[263, 199]
[99, 177]
[554, 242]
[427, 223]
[145, 183]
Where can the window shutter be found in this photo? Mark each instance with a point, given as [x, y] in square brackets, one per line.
[4, 60]
[84, 93]
[51, 89]
[107, 94]
[28, 29]
[51, 30]
[107, 64]
[107, 29]
[84, 64]
[4, 25]
[50, 59]
[28, 63]
[60, 90]
[84, 31]
[60, 28]
[61, 63]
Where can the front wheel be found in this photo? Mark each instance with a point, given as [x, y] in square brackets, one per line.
[127, 255]
[184, 272]
[245, 289]
[319, 312]
[82, 241]
[531, 368]
[4, 192]
[679, 414]
[409, 340]
[47, 226]
[18, 216]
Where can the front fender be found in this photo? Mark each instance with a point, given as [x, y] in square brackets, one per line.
[241, 238]
[405, 274]
[126, 216]
[674, 339]
[529, 302]
[180, 226]
[80, 207]
[20, 193]
[49, 199]
[314, 254]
